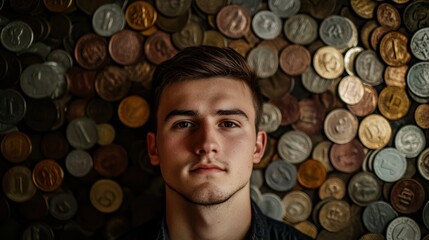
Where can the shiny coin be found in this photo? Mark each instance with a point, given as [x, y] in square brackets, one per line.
[374, 131]
[48, 175]
[389, 164]
[311, 173]
[403, 225]
[393, 102]
[349, 59]
[328, 62]
[140, 15]
[280, 175]
[410, 140]
[133, 111]
[351, 90]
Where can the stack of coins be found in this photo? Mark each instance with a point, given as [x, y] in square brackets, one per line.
[346, 86]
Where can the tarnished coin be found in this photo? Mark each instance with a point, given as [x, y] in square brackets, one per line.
[340, 126]
[410, 140]
[233, 21]
[377, 215]
[173, 9]
[347, 157]
[366, 31]
[38, 230]
[106, 134]
[133, 111]
[396, 76]
[307, 227]
[126, 47]
[280, 175]
[388, 15]
[300, 29]
[376, 36]
[407, 196]
[294, 146]
[159, 48]
[389, 164]
[328, 62]
[394, 49]
[13, 106]
[421, 115]
[337, 31]
[365, 8]
[372, 236]
[82, 133]
[18, 185]
[311, 173]
[266, 24]
[78, 163]
[190, 35]
[48, 175]
[108, 19]
[91, 51]
[418, 44]
[63, 206]
[289, 108]
[272, 206]
[334, 215]
[403, 226]
[367, 104]
[369, 68]
[16, 36]
[112, 83]
[284, 9]
[39, 81]
[297, 206]
[321, 153]
[315, 83]
[172, 24]
[414, 15]
[210, 7]
[263, 60]
[393, 102]
[332, 187]
[294, 59]
[311, 116]
[423, 164]
[418, 79]
[106, 195]
[140, 15]
[16, 147]
[374, 131]
[364, 188]
[110, 160]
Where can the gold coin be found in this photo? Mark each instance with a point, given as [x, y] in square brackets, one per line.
[106, 134]
[333, 187]
[396, 76]
[140, 15]
[133, 111]
[308, 228]
[16, 147]
[240, 46]
[374, 131]
[214, 38]
[48, 175]
[394, 49]
[106, 195]
[328, 62]
[311, 173]
[393, 102]
[335, 215]
[364, 8]
[421, 115]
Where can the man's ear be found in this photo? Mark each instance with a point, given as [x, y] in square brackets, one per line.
[261, 143]
[152, 148]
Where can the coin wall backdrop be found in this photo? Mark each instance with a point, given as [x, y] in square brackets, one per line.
[346, 86]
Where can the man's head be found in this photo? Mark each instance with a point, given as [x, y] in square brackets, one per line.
[205, 62]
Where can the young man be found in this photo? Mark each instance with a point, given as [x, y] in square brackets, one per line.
[207, 110]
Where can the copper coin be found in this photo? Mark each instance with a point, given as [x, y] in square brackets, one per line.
[133, 111]
[347, 157]
[289, 107]
[81, 82]
[54, 145]
[407, 196]
[47, 175]
[421, 115]
[395, 76]
[294, 59]
[91, 51]
[57, 6]
[366, 31]
[376, 36]
[159, 48]
[394, 49]
[311, 116]
[393, 102]
[311, 173]
[76, 108]
[364, 8]
[126, 47]
[16, 147]
[140, 15]
[367, 104]
[388, 15]
[110, 160]
[233, 21]
[112, 83]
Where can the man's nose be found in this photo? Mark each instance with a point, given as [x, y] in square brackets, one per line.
[207, 139]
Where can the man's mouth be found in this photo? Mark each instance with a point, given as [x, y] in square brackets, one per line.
[204, 168]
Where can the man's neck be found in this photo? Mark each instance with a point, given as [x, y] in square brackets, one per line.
[228, 220]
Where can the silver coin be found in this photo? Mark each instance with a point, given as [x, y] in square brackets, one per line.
[62, 57]
[314, 83]
[78, 163]
[271, 118]
[280, 175]
[272, 206]
[389, 164]
[403, 228]
[16, 36]
[418, 79]
[336, 31]
[301, 29]
[257, 178]
[39, 80]
[297, 205]
[425, 215]
[13, 107]
[62, 206]
[419, 44]
[321, 153]
[263, 60]
[423, 164]
[284, 8]
[349, 59]
[369, 67]
[255, 194]
[82, 133]
[410, 140]
[364, 188]
[266, 24]
[377, 215]
[340, 126]
[294, 146]
[108, 19]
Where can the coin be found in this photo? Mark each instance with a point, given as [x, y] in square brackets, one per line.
[140, 15]
[394, 49]
[334, 215]
[110, 160]
[47, 175]
[377, 216]
[340, 126]
[410, 140]
[374, 131]
[311, 173]
[18, 185]
[328, 62]
[367, 104]
[403, 224]
[407, 196]
[297, 206]
[233, 21]
[125, 47]
[332, 187]
[133, 111]
[393, 102]
[364, 188]
[16, 147]
[347, 157]
[388, 15]
[294, 146]
[389, 164]
[106, 195]
[289, 62]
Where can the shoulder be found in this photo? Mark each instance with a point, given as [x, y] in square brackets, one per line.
[151, 230]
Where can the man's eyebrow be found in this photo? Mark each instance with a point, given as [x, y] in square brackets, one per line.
[180, 112]
[191, 113]
[232, 112]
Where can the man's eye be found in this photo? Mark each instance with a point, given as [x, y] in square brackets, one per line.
[183, 125]
[229, 124]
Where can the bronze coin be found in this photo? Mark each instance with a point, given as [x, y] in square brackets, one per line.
[48, 175]
[159, 48]
[110, 160]
[91, 51]
[388, 15]
[368, 103]
[233, 21]
[311, 173]
[311, 116]
[347, 157]
[394, 49]
[16, 147]
[81, 82]
[126, 47]
[112, 83]
[407, 196]
[289, 107]
[294, 59]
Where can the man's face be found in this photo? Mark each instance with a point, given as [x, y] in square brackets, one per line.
[206, 142]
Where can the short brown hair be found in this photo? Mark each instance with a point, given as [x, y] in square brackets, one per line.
[204, 62]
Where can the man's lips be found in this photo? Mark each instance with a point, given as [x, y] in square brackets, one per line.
[206, 168]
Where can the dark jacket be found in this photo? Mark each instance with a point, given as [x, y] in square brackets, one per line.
[262, 228]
